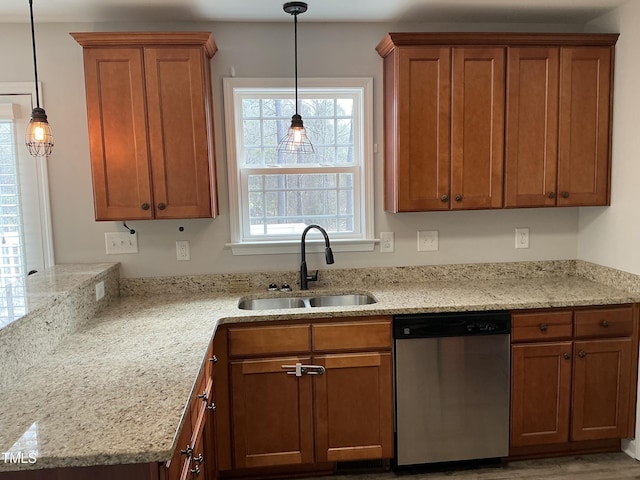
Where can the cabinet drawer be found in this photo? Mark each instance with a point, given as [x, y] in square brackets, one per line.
[370, 334]
[541, 326]
[604, 322]
[269, 340]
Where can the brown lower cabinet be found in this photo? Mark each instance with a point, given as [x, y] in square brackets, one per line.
[307, 394]
[573, 377]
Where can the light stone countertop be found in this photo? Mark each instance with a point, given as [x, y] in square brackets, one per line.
[115, 390]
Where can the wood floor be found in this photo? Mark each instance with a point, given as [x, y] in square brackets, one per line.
[613, 466]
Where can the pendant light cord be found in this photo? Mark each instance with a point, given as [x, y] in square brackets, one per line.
[35, 63]
[295, 47]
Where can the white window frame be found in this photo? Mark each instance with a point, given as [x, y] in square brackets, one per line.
[361, 240]
[42, 174]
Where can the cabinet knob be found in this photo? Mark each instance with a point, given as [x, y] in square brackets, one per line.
[196, 470]
[203, 396]
[565, 194]
[543, 327]
[145, 206]
[199, 458]
[214, 359]
[605, 323]
[551, 194]
[187, 451]
[162, 206]
[212, 406]
[444, 198]
[582, 354]
[458, 198]
[567, 356]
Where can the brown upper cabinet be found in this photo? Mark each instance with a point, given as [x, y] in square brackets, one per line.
[150, 118]
[496, 120]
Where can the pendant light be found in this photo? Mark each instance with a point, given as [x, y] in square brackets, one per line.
[295, 141]
[38, 137]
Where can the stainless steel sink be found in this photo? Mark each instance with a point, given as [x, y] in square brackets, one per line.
[341, 300]
[277, 303]
[271, 303]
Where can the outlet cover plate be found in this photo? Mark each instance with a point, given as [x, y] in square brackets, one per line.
[386, 242]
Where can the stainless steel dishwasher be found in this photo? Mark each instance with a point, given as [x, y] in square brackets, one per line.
[451, 386]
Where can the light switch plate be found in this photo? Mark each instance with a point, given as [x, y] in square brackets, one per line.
[121, 242]
[428, 241]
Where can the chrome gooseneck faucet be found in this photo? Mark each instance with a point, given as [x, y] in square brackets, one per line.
[304, 276]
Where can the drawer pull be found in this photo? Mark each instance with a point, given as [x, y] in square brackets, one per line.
[567, 356]
[582, 354]
[605, 323]
[543, 327]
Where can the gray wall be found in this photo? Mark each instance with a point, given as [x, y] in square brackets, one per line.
[259, 50]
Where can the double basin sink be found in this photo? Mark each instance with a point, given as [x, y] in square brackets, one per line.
[277, 303]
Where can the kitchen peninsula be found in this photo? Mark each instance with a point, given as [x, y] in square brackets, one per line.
[114, 390]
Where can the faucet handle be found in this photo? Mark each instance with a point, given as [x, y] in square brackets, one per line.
[313, 278]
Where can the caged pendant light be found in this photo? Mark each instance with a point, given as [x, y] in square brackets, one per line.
[296, 140]
[38, 138]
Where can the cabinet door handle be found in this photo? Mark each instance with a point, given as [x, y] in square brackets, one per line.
[196, 470]
[565, 194]
[551, 195]
[199, 458]
[567, 356]
[543, 327]
[458, 198]
[214, 359]
[582, 354]
[444, 198]
[162, 206]
[145, 206]
[187, 451]
[605, 323]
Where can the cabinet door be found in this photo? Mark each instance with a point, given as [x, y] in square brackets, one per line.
[116, 117]
[584, 126]
[354, 412]
[532, 127]
[178, 131]
[477, 128]
[421, 175]
[272, 413]
[540, 393]
[602, 369]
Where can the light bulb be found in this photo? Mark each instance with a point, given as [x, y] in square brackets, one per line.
[38, 133]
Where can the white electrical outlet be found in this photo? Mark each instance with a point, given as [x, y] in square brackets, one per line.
[121, 242]
[428, 241]
[99, 290]
[386, 242]
[182, 250]
[522, 238]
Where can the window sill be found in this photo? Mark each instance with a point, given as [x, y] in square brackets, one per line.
[293, 246]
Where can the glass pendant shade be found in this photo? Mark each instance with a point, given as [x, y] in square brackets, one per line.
[39, 138]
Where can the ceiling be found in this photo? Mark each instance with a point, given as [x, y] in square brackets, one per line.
[473, 11]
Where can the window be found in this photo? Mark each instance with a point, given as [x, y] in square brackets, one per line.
[25, 228]
[275, 195]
